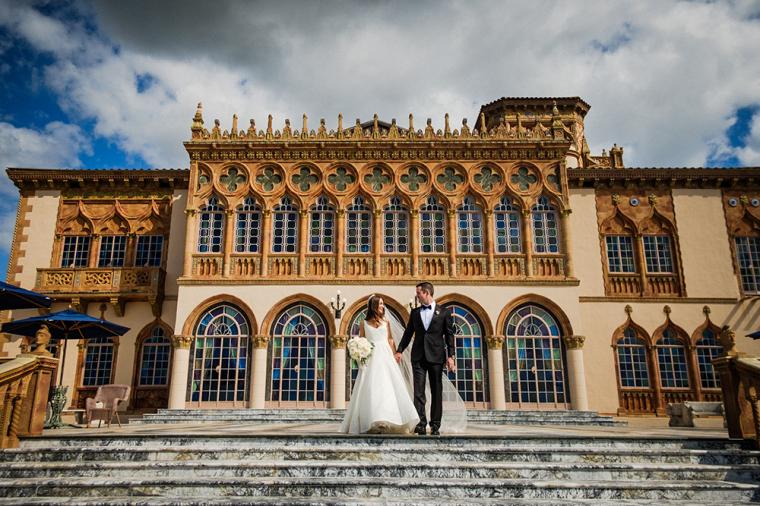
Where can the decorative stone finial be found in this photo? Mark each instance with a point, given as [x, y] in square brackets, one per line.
[744, 200]
[305, 127]
[269, 133]
[358, 133]
[251, 134]
[393, 130]
[555, 111]
[483, 129]
[706, 311]
[375, 127]
[652, 199]
[410, 133]
[615, 199]
[234, 132]
[197, 127]
[666, 309]
[340, 126]
[465, 129]
[446, 128]
[628, 310]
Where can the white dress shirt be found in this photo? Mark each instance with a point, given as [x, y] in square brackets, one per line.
[427, 315]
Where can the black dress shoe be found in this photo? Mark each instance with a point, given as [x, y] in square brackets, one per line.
[434, 432]
[420, 431]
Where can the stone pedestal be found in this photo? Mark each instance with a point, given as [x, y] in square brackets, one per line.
[180, 365]
[259, 377]
[496, 372]
[338, 372]
[576, 372]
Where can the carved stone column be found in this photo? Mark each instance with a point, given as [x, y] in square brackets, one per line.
[180, 367]
[378, 240]
[527, 234]
[576, 372]
[641, 263]
[92, 261]
[266, 238]
[259, 376]
[229, 242]
[338, 371]
[340, 239]
[496, 372]
[453, 241]
[189, 242]
[489, 241]
[414, 240]
[567, 242]
[129, 253]
[303, 241]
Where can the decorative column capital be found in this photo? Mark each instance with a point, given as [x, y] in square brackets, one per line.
[574, 342]
[495, 342]
[566, 212]
[190, 212]
[260, 341]
[182, 342]
[338, 341]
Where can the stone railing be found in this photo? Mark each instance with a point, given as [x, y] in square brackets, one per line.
[472, 266]
[246, 265]
[625, 284]
[208, 264]
[433, 266]
[549, 266]
[635, 401]
[320, 265]
[394, 266]
[24, 385]
[512, 266]
[663, 285]
[358, 265]
[282, 266]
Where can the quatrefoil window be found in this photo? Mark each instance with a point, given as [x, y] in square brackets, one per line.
[232, 179]
[341, 179]
[487, 179]
[450, 179]
[523, 179]
[377, 179]
[413, 179]
[203, 180]
[268, 179]
[305, 179]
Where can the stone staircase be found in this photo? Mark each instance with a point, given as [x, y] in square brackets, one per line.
[268, 416]
[164, 468]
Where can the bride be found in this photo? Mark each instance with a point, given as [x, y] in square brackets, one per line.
[381, 400]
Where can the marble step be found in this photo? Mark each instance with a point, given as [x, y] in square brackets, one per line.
[574, 471]
[655, 490]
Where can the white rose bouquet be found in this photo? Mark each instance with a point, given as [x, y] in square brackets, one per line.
[360, 349]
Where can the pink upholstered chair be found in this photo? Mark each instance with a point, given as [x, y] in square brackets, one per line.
[110, 396]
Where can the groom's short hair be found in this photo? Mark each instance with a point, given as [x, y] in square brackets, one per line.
[427, 286]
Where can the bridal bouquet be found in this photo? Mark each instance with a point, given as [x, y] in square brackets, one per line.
[360, 349]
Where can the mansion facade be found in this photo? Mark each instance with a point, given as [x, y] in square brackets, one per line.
[575, 282]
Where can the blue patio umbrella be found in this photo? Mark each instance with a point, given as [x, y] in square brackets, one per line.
[754, 335]
[13, 297]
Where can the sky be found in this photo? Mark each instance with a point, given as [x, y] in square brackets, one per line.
[114, 84]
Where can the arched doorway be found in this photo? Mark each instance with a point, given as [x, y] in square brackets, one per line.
[298, 359]
[219, 369]
[535, 360]
[471, 378]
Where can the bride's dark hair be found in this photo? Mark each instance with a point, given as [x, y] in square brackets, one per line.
[373, 305]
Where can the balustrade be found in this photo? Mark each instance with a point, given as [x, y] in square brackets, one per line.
[246, 266]
[512, 266]
[282, 266]
[472, 265]
[636, 402]
[663, 285]
[432, 267]
[207, 265]
[548, 266]
[320, 265]
[396, 266]
[625, 284]
[358, 265]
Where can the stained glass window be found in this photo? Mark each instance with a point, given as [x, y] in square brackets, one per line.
[748, 257]
[545, 232]
[708, 348]
[396, 225]
[507, 225]
[113, 248]
[211, 227]
[299, 357]
[248, 227]
[657, 253]
[358, 227]
[671, 357]
[76, 251]
[149, 250]
[470, 227]
[535, 361]
[98, 362]
[220, 356]
[620, 253]
[632, 361]
[432, 227]
[322, 227]
[154, 360]
[285, 227]
[470, 377]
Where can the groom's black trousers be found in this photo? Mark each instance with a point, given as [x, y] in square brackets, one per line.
[420, 369]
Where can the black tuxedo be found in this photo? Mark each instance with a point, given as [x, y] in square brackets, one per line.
[430, 350]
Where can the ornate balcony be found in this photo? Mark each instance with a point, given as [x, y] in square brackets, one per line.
[116, 285]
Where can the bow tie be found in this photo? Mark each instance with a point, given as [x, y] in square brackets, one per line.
[423, 307]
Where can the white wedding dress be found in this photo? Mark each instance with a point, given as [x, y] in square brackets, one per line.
[380, 400]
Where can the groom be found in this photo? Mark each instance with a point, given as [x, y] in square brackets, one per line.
[433, 330]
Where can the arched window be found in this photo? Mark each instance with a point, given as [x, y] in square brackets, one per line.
[98, 362]
[248, 227]
[470, 378]
[470, 226]
[285, 227]
[671, 358]
[396, 224]
[545, 232]
[211, 227]
[658, 254]
[748, 261]
[76, 251]
[220, 357]
[432, 227]
[507, 227]
[708, 348]
[620, 253]
[632, 360]
[358, 227]
[535, 359]
[154, 359]
[299, 357]
[322, 227]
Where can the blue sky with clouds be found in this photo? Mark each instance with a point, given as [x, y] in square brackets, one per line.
[114, 84]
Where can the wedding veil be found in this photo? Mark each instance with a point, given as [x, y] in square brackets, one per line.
[454, 418]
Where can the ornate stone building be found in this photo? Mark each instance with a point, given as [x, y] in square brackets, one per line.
[576, 282]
